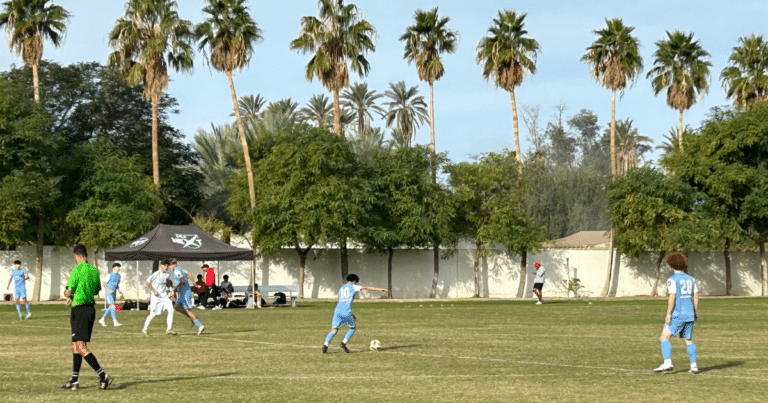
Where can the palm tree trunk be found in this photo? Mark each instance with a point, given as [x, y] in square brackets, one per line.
[336, 113]
[390, 252]
[613, 133]
[523, 274]
[39, 262]
[727, 257]
[518, 152]
[36, 83]
[655, 288]
[241, 130]
[478, 248]
[155, 155]
[680, 130]
[431, 117]
[436, 274]
[607, 286]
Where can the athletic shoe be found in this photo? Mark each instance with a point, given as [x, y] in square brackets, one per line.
[145, 332]
[216, 308]
[325, 349]
[663, 368]
[200, 307]
[104, 383]
[21, 317]
[71, 385]
[344, 347]
[200, 330]
[694, 369]
[118, 324]
[538, 302]
[102, 323]
[170, 332]
[29, 315]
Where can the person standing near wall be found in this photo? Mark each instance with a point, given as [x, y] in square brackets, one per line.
[19, 277]
[111, 287]
[538, 281]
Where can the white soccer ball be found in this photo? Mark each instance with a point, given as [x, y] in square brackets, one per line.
[375, 345]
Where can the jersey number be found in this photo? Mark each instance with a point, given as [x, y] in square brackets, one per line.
[345, 293]
[686, 287]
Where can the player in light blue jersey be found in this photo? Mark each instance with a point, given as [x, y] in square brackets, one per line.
[682, 312]
[184, 303]
[111, 287]
[19, 277]
[343, 312]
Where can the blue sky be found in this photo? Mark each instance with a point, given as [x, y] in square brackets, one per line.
[471, 115]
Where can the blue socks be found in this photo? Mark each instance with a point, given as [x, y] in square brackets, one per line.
[27, 306]
[349, 335]
[692, 353]
[18, 309]
[329, 337]
[112, 310]
[197, 323]
[666, 350]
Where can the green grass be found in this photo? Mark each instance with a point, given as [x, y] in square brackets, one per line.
[433, 351]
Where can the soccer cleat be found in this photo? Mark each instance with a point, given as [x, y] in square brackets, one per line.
[145, 332]
[200, 330]
[29, 315]
[344, 347]
[102, 323]
[201, 307]
[104, 383]
[170, 332]
[21, 317]
[118, 324]
[538, 302]
[325, 349]
[694, 370]
[663, 368]
[71, 385]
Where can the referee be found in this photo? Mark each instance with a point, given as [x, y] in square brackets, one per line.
[83, 284]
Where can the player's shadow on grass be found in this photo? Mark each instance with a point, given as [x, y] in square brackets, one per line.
[398, 347]
[126, 385]
[728, 364]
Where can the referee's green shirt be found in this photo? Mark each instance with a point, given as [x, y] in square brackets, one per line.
[84, 283]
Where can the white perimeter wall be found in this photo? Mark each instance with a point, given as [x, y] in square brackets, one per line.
[413, 270]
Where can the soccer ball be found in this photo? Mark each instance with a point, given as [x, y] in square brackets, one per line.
[375, 345]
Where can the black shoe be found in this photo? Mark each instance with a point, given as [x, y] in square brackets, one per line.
[325, 349]
[71, 385]
[104, 383]
[344, 347]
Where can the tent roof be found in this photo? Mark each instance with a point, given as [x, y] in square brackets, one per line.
[181, 242]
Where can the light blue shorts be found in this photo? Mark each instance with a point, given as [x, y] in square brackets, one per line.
[20, 292]
[110, 297]
[185, 298]
[680, 329]
[348, 320]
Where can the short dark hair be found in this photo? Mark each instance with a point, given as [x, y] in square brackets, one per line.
[17, 262]
[80, 250]
[205, 266]
[353, 278]
[677, 261]
[226, 277]
[199, 276]
[116, 265]
[165, 262]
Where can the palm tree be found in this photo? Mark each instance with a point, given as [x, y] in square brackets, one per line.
[425, 41]
[339, 35]
[670, 142]
[746, 78]
[27, 23]
[681, 69]
[249, 107]
[319, 110]
[361, 102]
[506, 55]
[406, 110]
[284, 106]
[614, 61]
[630, 145]
[230, 33]
[148, 39]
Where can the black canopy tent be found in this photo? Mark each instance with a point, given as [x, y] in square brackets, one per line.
[180, 242]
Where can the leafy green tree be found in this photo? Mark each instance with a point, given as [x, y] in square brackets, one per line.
[307, 193]
[745, 80]
[361, 102]
[506, 56]
[118, 202]
[680, 68]
[148, 40]
[406, 110]
[229, 34]
[614, 61]
[28, 23]
[338, 38]
[725, 163]
[425, 41]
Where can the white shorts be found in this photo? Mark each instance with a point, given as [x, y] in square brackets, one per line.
[158, 305]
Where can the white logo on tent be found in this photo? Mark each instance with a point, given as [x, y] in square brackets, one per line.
[191, 241]
[140, 241]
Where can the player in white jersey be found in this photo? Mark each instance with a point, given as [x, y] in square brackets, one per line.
[343, 311]
[159, 284]
[182, 280]
[538, 281]
[19, 277]
[682, 312]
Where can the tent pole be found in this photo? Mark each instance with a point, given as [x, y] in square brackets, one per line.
[137, 285]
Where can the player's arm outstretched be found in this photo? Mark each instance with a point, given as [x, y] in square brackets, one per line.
[374, 289]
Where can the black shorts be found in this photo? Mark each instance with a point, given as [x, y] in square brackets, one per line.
[538, 286]
[81, 320]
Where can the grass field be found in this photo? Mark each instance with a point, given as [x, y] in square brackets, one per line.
[433, 351]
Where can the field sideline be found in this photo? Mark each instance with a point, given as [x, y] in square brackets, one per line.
[433, 351]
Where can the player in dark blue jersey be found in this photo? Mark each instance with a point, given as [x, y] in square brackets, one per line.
[682, 312]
